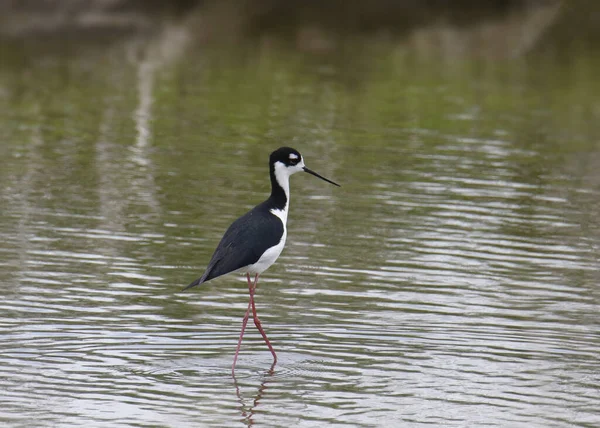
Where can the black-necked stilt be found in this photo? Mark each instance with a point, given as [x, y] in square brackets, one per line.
[255, 240]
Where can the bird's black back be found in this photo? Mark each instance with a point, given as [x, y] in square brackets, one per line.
[244, 242]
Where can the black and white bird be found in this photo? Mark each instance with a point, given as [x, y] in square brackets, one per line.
[255, 240]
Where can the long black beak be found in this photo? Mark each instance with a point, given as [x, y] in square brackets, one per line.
[320, 176]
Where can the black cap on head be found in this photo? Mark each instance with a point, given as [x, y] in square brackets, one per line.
[286, 155]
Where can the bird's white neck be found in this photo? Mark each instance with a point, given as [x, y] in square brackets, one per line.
[282, 178]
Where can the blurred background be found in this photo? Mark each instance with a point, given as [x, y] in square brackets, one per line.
[451, 281]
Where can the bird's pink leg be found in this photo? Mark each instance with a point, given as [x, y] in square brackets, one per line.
[244, 322]
[257, 321]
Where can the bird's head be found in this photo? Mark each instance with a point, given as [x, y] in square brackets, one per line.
[286, 161]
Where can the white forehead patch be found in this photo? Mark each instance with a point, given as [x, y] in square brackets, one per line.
[293, 156]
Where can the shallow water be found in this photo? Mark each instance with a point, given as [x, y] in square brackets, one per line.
[451, 281]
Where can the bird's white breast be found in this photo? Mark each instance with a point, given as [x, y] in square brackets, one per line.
[272, 254]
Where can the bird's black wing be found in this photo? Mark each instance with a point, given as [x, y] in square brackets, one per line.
[243, 243]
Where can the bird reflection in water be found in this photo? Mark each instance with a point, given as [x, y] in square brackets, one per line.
[248, 411]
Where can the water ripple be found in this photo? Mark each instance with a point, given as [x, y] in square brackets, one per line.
[451, 281]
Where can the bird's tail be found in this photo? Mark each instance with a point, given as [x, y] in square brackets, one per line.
[205, 277]
[194, 283]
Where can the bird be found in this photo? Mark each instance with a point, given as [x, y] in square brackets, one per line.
[255, 240]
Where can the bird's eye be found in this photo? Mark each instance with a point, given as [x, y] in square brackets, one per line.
[294, 158]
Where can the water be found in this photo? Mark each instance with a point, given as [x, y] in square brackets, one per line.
[451, 281]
